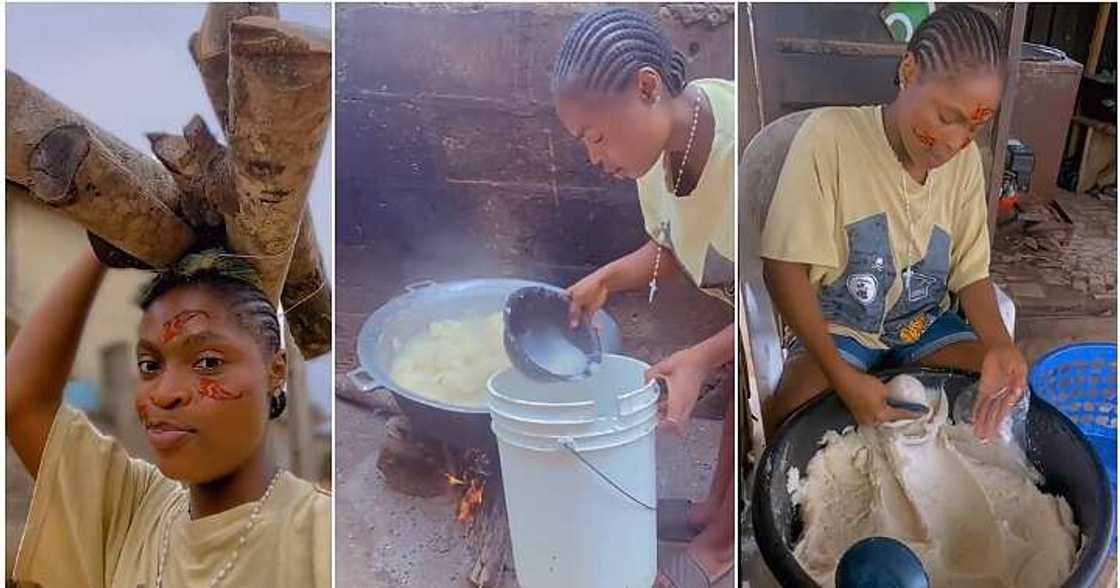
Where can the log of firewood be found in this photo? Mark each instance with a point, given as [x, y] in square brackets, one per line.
[86, 173]
[200, 167]
[210, 48]
[306, 295]
[493, 540]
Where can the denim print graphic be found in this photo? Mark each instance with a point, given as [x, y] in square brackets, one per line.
[919, 307]
[857, 299]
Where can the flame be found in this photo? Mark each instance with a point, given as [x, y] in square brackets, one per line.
[472, 482]
[471, 502]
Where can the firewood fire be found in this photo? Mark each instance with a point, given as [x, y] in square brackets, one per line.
[471, 482]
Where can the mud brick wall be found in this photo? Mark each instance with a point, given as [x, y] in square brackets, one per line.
[448, 147]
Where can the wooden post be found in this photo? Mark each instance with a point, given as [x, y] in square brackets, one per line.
[1097, 43]
[1016, 24]
[65, 161]
[299, 412]
[306, 296]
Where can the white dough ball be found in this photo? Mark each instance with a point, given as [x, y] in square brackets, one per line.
[907, 389]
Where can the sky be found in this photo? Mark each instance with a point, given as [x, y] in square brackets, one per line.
[126, 68]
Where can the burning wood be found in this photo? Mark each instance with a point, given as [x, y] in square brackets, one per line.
[471, 481]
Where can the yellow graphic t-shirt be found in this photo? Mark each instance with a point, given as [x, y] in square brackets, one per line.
[841, 207]
[699, 228]
[98, 519]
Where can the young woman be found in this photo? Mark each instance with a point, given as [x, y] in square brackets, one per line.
[878, 228]
[214, 510]
[620, 88]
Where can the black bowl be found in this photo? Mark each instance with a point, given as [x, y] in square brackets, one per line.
[1056, 448]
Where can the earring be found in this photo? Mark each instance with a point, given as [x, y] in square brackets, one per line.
[277, 404]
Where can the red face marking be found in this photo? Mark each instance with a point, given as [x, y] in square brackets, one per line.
[924, 137]
[174, 327]
[980, 114]
[142, 411]
[213, 390]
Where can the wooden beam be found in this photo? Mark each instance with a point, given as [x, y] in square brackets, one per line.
[841, 48]
[116, 192]
[1097, 43]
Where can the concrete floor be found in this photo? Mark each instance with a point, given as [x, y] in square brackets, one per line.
[390, 540]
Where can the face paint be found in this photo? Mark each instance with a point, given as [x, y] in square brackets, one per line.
[980, 114]
[213, 390]
[924, 137]
[142, 412]
[174, 327]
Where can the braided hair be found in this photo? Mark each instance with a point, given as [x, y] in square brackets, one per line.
[234, 279]
[605, 48]
[957, 38]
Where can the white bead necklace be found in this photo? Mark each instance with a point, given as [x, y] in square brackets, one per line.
[908, 273]
[676, 189]
[254, 515]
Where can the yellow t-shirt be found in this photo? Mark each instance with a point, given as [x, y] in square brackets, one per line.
[98, 519]
[699, 228]
[840, 207]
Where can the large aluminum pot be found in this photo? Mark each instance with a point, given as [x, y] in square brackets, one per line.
[387, 329]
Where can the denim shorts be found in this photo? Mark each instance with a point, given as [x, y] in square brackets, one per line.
[949, 328]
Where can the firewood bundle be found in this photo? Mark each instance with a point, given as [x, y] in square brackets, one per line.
[269, 82]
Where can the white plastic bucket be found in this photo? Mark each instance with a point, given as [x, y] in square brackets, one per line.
[579, 473]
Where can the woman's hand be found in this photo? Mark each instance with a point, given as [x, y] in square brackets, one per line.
[1003, 380]
[866, 398]
[587, 296]
[684, 373]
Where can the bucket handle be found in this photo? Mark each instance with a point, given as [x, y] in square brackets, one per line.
[570, 444]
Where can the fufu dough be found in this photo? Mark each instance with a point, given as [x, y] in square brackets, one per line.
[452, 360]
[971, 511]
[908, 389]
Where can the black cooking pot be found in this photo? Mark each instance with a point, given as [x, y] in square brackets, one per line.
[1056, 447]
[409, 314]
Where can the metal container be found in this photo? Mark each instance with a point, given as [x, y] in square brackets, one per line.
[409, 314]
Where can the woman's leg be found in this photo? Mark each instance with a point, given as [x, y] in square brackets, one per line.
[714, 548]
[964, 355]
[723, 481]
[802, 380]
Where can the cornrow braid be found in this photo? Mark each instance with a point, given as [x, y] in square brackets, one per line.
[234, 280]
[605, 48]
[955, 38]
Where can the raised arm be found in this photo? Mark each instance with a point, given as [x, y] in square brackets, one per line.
[42, 355]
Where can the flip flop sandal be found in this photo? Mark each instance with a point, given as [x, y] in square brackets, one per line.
[672, 520]
[682, 571]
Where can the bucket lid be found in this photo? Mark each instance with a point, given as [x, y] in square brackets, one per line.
[540, 340]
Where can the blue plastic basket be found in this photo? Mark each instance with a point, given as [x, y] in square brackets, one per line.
[1080, 380]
